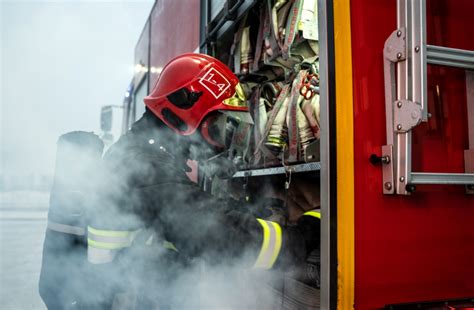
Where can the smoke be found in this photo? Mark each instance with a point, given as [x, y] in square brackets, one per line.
[58, 85]
[142, 187]
[60, 62]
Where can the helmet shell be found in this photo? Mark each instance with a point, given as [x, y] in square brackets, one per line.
[208, 79]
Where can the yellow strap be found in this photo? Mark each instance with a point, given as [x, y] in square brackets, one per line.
[109, 233]
[106, 245]
[271, 245]
[313, 214]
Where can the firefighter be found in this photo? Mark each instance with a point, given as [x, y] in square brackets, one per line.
[150, 217]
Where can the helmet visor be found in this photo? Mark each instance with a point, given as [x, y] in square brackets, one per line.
[219, 128]
[238, 99]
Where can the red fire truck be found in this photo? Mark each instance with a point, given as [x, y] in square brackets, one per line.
[395, 154]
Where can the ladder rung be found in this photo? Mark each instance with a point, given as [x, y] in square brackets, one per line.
[451, 57]
[441, 178]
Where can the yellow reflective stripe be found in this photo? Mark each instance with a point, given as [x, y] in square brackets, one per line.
[278, 242]
[266, 233]
[109, 233]
[107, 245]
[110, 239]
[271, 245]
[313, 213]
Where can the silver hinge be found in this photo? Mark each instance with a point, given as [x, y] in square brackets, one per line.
[407, 115]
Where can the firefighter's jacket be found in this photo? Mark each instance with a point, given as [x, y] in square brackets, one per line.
[150, 219]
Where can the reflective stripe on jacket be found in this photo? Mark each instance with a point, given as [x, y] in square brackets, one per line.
[103, 245]
[66, 229]
[272, 242]
[315, 214]
[271, 245]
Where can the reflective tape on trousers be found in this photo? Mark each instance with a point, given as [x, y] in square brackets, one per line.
[271, 245]
[109, 239]
[66, 229]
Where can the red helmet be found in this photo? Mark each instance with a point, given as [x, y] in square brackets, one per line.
[190, 87]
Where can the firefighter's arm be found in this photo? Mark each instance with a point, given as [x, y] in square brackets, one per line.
[114, 221]
[112, 226]
[200, 225]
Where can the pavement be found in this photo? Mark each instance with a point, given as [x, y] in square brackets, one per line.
[23, 218]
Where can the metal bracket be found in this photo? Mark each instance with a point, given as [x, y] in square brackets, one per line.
[394, 52]
[407, 115]
[387, 170]
[311, 152]
[395, 46]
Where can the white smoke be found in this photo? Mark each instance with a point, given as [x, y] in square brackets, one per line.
[58, 85]
[60, 61]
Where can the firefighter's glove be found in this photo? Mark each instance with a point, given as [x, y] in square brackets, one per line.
[219, 166]
[309, 226]
[300, 240]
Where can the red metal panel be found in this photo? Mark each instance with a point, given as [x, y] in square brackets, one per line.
[419, 247]
[141, 55]
[174, 30]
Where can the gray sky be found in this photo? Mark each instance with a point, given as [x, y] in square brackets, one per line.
[60, 62]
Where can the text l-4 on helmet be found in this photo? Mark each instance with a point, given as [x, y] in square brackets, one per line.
[190, 87]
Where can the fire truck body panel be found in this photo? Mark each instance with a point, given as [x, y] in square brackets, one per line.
[174, 31]
[417, 247]
[156, 47]
[378, 249]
